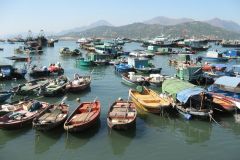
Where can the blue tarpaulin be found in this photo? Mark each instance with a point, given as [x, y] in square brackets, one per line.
[228, 81]
[184, 95]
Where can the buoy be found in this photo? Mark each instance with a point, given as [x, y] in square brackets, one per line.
[78, 100]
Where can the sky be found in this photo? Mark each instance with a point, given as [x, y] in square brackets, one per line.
[18, 16]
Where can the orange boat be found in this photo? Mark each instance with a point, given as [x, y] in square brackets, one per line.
[86, 115]
[223, 104]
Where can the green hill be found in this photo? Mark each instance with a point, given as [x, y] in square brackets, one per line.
[140, 30]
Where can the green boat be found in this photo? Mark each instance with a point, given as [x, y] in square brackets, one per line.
[84, 62]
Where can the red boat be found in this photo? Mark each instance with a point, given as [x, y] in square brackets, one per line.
[79, 83]
[223, 103]
[22, 116]
[86, 115]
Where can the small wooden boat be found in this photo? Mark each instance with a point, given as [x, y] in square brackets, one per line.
[134, 80]
[10, 107]
[65, 51]
[19, 58]
[8, 72]
[54, 116]
[52, 70]
[23, 116]
[56, 87]
[4, 95]
[148, 70]
[85, 116]
[79, 83]
[148, 100]
[156, 79]
[122, 115]
[31, 87]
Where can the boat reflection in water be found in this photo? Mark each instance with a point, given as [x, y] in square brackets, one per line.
[193, 131]
[45, 140]
[79, 139]
[121, 139]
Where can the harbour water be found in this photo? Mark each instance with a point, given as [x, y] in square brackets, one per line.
[155, 137]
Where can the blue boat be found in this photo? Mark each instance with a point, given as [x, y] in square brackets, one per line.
[123, 67]
[232, 54]
[4, 96]
[215, 56]
[9, 72]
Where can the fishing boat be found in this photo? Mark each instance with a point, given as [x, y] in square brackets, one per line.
[148, 70]
[215, 56]
[134, 80]
[79, 83]
[4, 95]
[65, 51]
[31, 87]
[189, 100]
[85, 116]
[52, 117]
[226, 89]
[52, 70]
[8, 72]
[10, 107]
[19, 58]
[148, 100]
[140, 53]
[123, 67]
[156, 79]
[122, 115]
[84, 62]
[56, 87]
[23, 116]
[194, 102]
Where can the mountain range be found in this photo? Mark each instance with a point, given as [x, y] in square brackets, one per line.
[141, 30]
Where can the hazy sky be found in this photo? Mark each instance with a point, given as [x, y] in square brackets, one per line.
[56, 15]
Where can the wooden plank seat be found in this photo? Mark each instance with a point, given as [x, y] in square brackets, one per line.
[81, 118]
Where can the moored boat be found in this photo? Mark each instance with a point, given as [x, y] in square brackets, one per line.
[56, 87]
[4, 95]
[79, 83]
[52, 117]
[148, 100]
[122, 115]
[85, 116]
[23, 116]
[31, 87]
[134, 80]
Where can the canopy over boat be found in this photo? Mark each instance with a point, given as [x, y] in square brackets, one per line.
[228, 81]
[184, 95]
[173, 86]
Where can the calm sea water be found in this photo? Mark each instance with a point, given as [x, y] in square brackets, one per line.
[155, 137]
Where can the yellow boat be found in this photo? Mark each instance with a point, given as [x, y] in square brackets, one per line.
[149, 101]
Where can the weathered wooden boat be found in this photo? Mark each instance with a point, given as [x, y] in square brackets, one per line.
[8, 72]
[65, 51]
[10, 107]
[23, 116]
[134, 80]
[122, 115]
[226, 93]
[148, 70]
[56, 87]
[156, 79]
[79, 83]
[4, 95]
[148, 100]
[31, 87]
[141, 53]
[52, 70]
[85, 116]
[52, 117]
